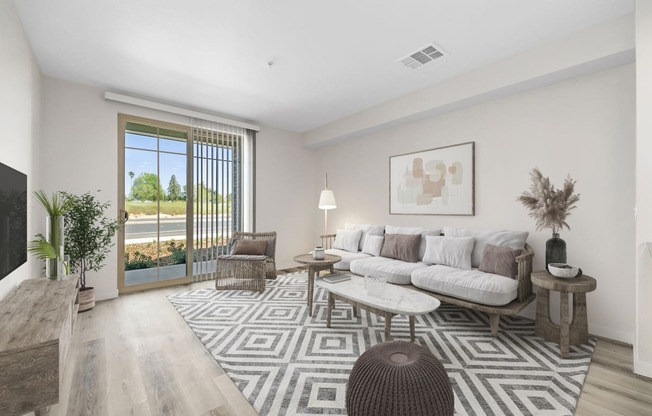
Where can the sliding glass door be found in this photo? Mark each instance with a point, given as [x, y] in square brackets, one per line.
[183, 191]
[155, 174]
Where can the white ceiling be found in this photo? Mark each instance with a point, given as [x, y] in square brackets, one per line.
[331, 58]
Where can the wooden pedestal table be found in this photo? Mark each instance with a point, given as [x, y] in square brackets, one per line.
[568, 332]
[314, 266]
[387, 301]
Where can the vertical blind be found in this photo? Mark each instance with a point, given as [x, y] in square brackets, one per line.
[218, 179]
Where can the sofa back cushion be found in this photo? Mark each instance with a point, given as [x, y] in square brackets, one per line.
[347, 240]
[367, 229]
[512, 239]
[449, 251]
[373, 244]
[403, 247]
[390, 229]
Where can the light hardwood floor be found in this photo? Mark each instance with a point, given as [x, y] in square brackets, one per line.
[134, 355]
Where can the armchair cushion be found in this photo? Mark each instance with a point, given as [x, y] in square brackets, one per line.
[250, 247]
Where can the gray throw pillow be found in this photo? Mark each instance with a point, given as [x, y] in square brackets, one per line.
[500, 260]
[250, 247]
[402, 247]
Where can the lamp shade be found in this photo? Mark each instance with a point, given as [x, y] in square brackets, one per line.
[327, 200]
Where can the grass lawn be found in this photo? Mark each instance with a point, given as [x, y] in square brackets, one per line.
[135, 208]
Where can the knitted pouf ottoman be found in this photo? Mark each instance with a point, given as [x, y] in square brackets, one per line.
[399, 379]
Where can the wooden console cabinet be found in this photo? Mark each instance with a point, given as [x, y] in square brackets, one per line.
[37, 320]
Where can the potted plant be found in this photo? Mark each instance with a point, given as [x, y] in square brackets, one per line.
[89, 237]
[51, 247]
[550, 207]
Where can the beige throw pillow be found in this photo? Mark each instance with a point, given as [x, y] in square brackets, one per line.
[250, 247]
[500, 260]
[402, 247]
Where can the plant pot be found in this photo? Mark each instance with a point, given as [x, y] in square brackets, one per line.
[86, 299]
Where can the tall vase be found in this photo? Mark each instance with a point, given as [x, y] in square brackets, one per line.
[555, 250]
[54, 268]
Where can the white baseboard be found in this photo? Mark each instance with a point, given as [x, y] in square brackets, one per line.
[643, 368]
[111, 294]
[611, 333]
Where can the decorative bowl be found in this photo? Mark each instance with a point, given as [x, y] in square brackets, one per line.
[563, 270]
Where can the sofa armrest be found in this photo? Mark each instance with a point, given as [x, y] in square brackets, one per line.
[524, 276]
[327, 240]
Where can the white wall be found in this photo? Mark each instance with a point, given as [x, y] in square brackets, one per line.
[287, 198]
[643, 345]
[80, 132]
[583, 127]
[19, 117]
[606, 45]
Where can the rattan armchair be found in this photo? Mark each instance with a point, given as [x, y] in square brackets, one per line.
[247, 272]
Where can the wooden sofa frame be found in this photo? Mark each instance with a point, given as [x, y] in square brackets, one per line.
[524, 295]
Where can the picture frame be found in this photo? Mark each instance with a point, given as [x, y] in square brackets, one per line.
[438, 181]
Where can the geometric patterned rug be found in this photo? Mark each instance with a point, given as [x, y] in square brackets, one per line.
[287, 363]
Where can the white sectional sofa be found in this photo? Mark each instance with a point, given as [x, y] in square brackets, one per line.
[485, 270]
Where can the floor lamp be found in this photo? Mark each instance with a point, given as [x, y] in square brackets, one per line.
[326, 202]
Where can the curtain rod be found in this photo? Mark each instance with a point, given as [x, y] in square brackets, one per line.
[112, 96]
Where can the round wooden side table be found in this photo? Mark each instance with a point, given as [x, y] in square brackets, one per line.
[567, 333]
[314, 266]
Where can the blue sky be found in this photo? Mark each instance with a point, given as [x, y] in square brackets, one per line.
[172, 163]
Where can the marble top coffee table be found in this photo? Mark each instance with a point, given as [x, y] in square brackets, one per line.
[386, 300]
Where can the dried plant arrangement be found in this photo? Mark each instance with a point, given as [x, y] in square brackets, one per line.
[549, 206]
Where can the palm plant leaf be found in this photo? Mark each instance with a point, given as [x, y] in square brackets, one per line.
[56, 205]
[41, 248]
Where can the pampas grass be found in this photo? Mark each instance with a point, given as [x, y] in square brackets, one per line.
[549, 206]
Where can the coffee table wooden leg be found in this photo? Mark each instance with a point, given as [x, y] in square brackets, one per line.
[331, 303]
[388, 325]
[411, 318]
[355, 312]
[542, 322]
[564, 325]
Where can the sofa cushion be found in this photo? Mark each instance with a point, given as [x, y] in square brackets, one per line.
[347, 240]
[395, 271]
[367, 229]
[390, 229]
[511, 239]
[449, 251]
[373, 244]
[402, 247]
[500, 260]
[347, 258]
[471, 285]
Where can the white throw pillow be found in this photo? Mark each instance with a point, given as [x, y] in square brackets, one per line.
[367, 229]
[449, 251]
[373, 244]
[512, 239]
[347, 240]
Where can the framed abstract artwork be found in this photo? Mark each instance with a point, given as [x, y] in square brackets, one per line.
[433, 182]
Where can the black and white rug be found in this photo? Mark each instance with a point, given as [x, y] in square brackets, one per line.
[287, 363]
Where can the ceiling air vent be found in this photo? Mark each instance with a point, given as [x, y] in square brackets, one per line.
[421, 57]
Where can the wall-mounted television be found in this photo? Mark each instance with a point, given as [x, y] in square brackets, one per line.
[13, 219]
